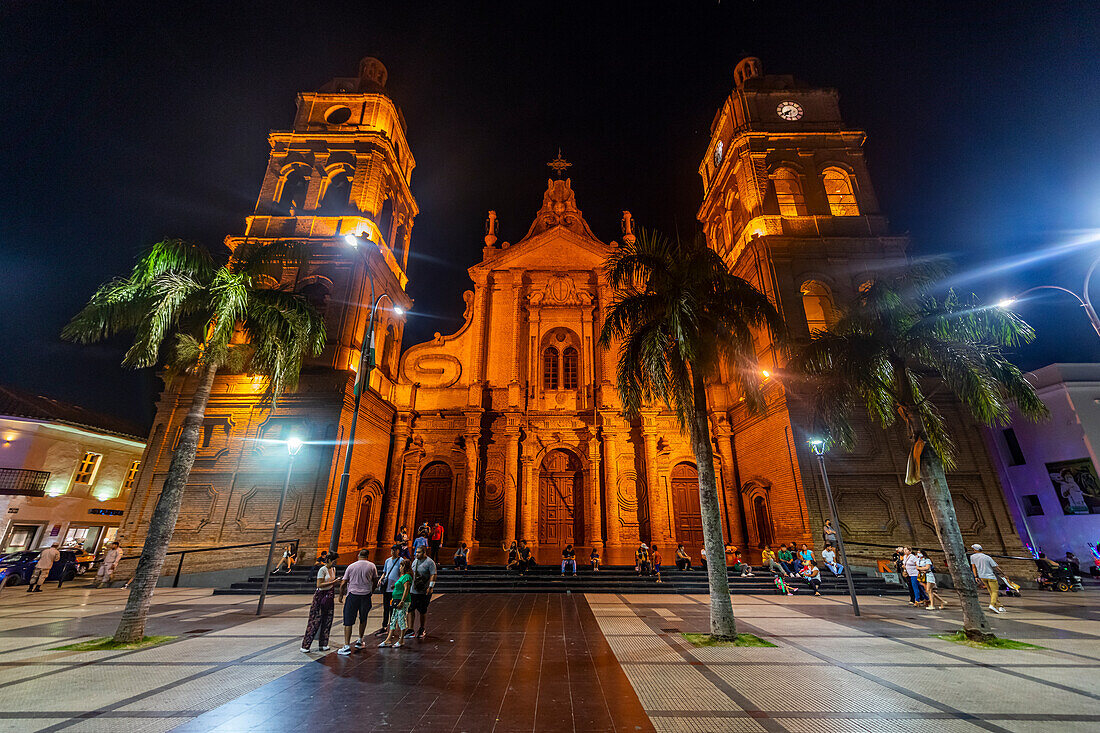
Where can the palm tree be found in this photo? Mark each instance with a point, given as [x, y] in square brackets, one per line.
[680, 315]
[216, 316]
[898, 341]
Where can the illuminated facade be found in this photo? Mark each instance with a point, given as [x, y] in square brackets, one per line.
[511, 428]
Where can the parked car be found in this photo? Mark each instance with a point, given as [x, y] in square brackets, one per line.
[16, 567]
[84, 561]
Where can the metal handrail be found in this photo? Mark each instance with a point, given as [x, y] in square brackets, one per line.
[183, 553]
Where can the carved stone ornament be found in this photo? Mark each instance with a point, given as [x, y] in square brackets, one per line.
[560, 290]
[491, 225]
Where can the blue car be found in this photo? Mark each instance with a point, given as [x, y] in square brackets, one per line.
[16, 567]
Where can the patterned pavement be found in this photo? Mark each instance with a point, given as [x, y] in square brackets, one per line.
[829, 673]
[834, 673]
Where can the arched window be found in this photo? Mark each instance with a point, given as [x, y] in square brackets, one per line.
[550, 368]
[838, 189]
[569, 368]
[337, 195]
[817, 302]
[316, 292]
[385, 220]
[292, 194]
[788, 191]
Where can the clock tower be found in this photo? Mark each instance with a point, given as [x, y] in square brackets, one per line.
[788, 203]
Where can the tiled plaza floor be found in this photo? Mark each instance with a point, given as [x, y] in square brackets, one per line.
[551, 662]
[834, 673]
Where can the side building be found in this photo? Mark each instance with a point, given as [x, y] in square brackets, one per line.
[65, 473]
[1049, 469]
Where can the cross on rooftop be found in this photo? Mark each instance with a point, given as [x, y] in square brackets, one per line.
[559, 164]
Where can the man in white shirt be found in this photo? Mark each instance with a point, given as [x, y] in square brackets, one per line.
[828, 556]
[359, 580]
[983, 567]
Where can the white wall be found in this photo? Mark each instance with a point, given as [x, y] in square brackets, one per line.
[1072, 393]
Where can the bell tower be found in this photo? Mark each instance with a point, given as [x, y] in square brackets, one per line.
[337, 183]
[788, 203]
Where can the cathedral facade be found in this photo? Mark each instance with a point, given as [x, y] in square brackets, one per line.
[511, 427]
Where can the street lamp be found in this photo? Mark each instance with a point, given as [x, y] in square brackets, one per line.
[366, 364]
[293, 445]
[1083, 298]
[817, 445]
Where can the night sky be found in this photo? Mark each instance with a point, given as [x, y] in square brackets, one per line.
[125, 123]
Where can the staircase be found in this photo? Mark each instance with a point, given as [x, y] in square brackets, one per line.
[610, 579]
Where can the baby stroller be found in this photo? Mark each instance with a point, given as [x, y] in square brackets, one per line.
[1060, 578]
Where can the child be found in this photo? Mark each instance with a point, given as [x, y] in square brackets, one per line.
[460, 557]
[782, 586]
[594, 558]
[656, 556]
[400, 602]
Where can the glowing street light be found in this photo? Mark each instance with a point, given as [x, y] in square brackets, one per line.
[1083, 298]
[818, 446]
[293, 445]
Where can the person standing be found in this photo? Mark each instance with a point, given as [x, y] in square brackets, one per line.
[42, 568]
[641, 559]
[569, 560]
[403, 540]
[984, 569]
[828, 533]
[899, 565]
[399, 605]
[423, 584]
[909, 563]
[435, 541]
[107, 567]
[358, 582]
[928, 579]
[391, 571]
[656, 555]
[323, 606]
[421, 540]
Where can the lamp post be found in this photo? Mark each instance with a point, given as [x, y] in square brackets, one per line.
[1083, 298]
[293, 445]
[366, 364]
[817, 445]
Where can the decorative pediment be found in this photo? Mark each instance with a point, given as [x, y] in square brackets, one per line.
[559, 208]
[560, 290]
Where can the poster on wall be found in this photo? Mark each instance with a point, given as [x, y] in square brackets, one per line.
[1077, 486]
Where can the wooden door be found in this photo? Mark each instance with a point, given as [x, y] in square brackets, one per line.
[433, 497]
[559, 490]
[685, 505]
[763, 521]
[363, 523]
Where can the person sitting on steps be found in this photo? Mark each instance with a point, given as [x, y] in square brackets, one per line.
[683, 560]
[594, 558]
[569, 560]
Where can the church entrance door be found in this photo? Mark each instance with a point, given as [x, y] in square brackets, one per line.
[433, 498]
[559, 493]
[363, 523]
[685, 505]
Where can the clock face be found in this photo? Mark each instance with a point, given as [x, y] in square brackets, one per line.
[789, 111]
[718, 153]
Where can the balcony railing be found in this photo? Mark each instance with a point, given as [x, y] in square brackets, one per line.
[23, 482]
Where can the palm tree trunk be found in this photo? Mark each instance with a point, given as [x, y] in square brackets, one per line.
[163, 522]
[938, 496]
[722, 624]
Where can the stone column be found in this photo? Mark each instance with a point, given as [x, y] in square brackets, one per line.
[472, 438]
[655, 495]
[729, 493]
[529, 499]
[392, 496]
[412, 486]
[511, 481]
[611, 435]
[593, 517]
